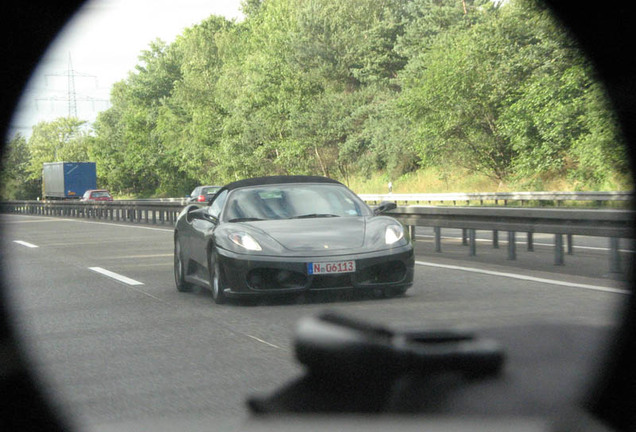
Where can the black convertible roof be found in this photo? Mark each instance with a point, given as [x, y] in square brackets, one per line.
[258, 181]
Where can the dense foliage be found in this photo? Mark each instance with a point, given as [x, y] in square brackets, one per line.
[349, 89]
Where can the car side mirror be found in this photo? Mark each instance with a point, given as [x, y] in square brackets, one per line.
[201, 213]
[384, 207]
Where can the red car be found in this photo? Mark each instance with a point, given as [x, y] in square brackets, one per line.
[97, 195]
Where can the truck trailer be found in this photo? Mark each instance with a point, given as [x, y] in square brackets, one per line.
[68, 180]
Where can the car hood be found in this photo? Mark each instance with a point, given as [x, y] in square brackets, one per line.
[315, 234]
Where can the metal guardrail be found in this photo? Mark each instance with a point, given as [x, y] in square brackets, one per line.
[496, 198]
[614, 224]
[150, 212]
[499, 197]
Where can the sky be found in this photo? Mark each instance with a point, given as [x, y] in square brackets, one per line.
[98, 47]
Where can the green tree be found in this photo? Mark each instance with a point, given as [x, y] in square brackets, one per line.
[63, 139]
[502, 97]
[190, 123]
[14, 179]
[345, 88]
[132, 155]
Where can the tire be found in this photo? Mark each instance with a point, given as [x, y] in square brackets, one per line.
[179, 269]
[218, 283]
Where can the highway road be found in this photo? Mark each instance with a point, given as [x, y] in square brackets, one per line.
[115, 343]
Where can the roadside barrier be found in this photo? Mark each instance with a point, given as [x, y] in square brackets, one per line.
[561, 222]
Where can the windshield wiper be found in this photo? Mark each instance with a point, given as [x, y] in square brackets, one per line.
[245, 219]
[315, 215]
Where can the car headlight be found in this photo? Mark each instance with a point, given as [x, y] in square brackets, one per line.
[245, 240]
[393, 234]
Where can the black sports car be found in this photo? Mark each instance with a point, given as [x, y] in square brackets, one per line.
[290, 234]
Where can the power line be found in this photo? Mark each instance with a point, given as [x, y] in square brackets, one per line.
[71, 96]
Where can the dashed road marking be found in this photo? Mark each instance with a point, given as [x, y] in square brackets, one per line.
[116, 276]
[26, 244]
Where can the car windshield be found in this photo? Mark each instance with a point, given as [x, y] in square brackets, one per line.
[293, 201]
[100, 194]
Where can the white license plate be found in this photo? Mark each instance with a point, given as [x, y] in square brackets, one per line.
[331, 267]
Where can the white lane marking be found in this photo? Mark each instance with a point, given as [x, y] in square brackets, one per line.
[262, 341]
[27, 244]
[130, 282]
[116, 276]
[527, 278]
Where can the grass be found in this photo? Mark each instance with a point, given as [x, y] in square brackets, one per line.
[433, 181]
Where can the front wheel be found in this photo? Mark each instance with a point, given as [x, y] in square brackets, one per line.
[179, 269]
[218, 284]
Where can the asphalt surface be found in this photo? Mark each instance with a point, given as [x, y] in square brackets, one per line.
[115, 343]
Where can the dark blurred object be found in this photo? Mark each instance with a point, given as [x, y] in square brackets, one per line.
[358, 366]
[607, 35]
[27, 28]
[340, 347]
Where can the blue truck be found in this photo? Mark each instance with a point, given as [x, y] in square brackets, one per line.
[68, 180]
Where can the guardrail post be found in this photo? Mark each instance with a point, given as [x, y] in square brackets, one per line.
[512, 246]
[558, 250]
[464, 236]
[615, 257]
[412, 233]
[570, 244]
[495, 239]
[438, 239]
[530, 242]
[472, 250]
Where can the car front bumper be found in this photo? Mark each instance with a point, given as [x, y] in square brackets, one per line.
[256, 275]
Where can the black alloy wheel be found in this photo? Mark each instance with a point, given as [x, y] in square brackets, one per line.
[218, 283]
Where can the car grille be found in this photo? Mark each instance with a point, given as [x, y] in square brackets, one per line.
[271, 278]
[388, 272]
